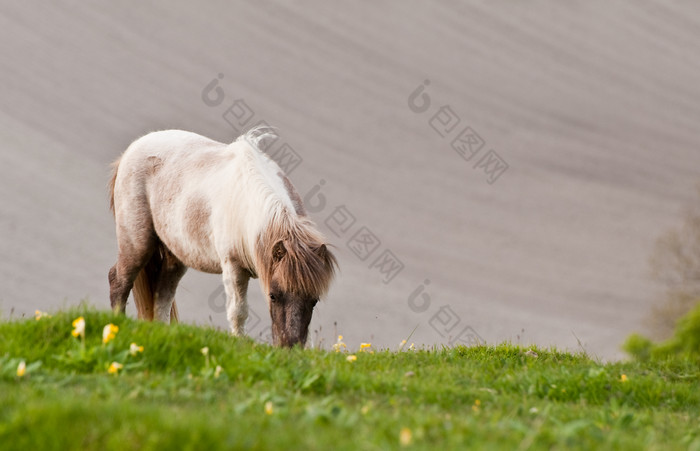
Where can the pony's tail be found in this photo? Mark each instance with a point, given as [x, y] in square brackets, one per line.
[112, 182]
[144, 286]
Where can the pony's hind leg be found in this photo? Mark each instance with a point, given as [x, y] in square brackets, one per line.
[117, 297]
[136, 241]
[117, 300]
[236, 286]
[121, 278]
[171, 272]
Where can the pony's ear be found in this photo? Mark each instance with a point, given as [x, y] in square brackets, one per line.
[278, 251]
[327, 257]
[322, 251]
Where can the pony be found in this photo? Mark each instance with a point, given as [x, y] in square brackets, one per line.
[181, 200]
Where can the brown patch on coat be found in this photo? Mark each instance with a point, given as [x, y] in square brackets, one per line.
[197, 226]
[293, 195]
[198, 230]
[206, 162]
[154, 164]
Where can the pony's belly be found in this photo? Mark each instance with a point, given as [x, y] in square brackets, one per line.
[208, 266]
[197, 258]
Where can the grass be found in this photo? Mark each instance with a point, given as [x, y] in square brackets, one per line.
[684, 344]
[172, 396]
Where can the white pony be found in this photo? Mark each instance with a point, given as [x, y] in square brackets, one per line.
[182, 200]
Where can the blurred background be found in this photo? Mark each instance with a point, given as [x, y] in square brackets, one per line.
[487, 171]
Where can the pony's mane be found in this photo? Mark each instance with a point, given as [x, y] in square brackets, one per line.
[289, 247]
[259, 170]
[257, 136]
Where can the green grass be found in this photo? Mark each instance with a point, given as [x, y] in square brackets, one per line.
[169, 396]
[684, 344]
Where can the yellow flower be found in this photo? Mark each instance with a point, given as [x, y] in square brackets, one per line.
[476, 405]
[405, 437]
[21, 368]
[623, 378]
[205, 350]
[115, 367]
[217, 371]
[412, 347]
[79, 327]
[38, 314]
[351, 358]
[109, 332]
[365, 345]
[339, 344]
[135, 349]
[269, 408]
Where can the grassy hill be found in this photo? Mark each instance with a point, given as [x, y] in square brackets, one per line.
[241, 394]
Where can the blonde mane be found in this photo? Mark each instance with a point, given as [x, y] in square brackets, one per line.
[288, 247]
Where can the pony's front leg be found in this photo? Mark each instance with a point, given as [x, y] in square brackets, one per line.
[236, 286]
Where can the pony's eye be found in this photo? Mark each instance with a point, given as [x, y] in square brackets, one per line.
[272, 297]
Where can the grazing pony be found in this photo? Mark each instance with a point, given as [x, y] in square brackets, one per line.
[182, 200]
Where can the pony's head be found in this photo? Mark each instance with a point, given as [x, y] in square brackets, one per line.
[296, 271]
